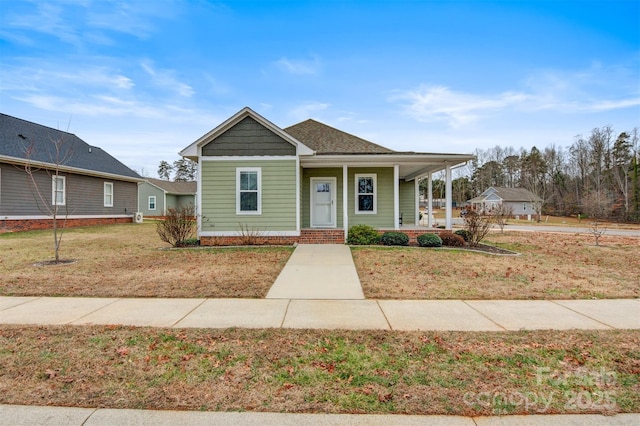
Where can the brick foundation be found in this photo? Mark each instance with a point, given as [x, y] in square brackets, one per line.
[307, 236]
[40, 224]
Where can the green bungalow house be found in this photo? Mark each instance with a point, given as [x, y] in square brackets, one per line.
[156, 196]
[307, 183]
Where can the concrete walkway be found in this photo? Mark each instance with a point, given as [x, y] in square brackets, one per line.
[318, 271]
[29, 415]
[462, 315]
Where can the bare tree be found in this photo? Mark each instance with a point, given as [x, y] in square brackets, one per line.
[477, 225]
[501, 215]
[56, 182]
[597, 231]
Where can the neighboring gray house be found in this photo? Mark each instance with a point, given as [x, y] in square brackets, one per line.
[156, 196]
[521, 201]
[90, 187]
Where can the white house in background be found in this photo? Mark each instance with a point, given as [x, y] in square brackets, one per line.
[522, 202]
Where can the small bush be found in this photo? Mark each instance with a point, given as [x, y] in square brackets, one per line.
[464, 234]
[450, 239]
[429, 240]
[363, 235]
[394, 239]
[178, 227]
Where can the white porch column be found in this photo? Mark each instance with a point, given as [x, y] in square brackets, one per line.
[396, 196]
[416, 210]
[429, 211]
[448, 199]
[345, 210]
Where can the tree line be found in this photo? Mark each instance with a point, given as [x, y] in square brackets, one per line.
[597, 176]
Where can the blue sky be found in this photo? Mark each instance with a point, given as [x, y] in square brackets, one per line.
[144, 78]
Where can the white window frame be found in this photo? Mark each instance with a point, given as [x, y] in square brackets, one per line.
[108, 194]
[54, 190]
[357, 194]
[155, 202]
[258, 171]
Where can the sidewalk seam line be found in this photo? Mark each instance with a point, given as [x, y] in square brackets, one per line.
[286, 311]
[484, 315]
[188, 313]
[384, 314]
[581, 314]
[95, 410]
[23, 303]
[94, 311]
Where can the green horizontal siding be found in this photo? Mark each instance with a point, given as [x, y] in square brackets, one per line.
[278, 196]
[408, 202]
[384, 213]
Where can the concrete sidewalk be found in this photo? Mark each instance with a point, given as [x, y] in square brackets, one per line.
[318, 271]
[68, 416]
[461, 315]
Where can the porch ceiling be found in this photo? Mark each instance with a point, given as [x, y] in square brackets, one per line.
[411, 166]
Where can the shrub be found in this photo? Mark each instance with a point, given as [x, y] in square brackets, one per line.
[464, 234]
[394, 239]
[478, 225]
[429, 240]
[178, 227]
[450, 239]
[363, 235]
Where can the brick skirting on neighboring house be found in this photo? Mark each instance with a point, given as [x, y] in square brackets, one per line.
[39, 224]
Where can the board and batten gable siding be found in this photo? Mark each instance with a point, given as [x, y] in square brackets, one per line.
[383, 218]
[307, 174]
[248, 138]
[407, 201]
[84, 194]
[218, 188]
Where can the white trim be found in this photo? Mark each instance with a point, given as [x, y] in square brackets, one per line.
[63, 168]
[396, 197]
[71, 216]
[258, 171]
[430, 200]
[448, 195]
[54, 190]
[345, 203]
[334, 186]
[416, 202]
[155, 203]
[199, 195]
[249, 158]
[298, 194]
[112, 194]
[239, 234]
[375, 192]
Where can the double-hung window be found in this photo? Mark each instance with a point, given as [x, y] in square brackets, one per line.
[366, 202]
[248, 190]
[58, 190]
[152, 202]
[108, 194]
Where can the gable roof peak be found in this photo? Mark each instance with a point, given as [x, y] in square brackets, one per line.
[325, 139]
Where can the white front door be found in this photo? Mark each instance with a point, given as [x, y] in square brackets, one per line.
[323, 202]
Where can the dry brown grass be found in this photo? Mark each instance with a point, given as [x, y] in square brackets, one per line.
[321, 371]
[551, 266]
[126, 261]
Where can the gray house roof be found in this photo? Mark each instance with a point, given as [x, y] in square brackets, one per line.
[327, 140]
[177, 188]
[508, 195]
[24, 142]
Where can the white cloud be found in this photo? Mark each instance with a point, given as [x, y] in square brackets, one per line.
[299, 66]
[439, 103]
[165, 78]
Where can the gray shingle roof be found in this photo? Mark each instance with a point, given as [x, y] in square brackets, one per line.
[327, 140]
[25, 140]
[180, 188]
[509, 194]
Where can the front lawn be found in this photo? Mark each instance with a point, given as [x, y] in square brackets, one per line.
[319, 371]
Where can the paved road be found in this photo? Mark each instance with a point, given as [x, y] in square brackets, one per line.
[609, 230]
